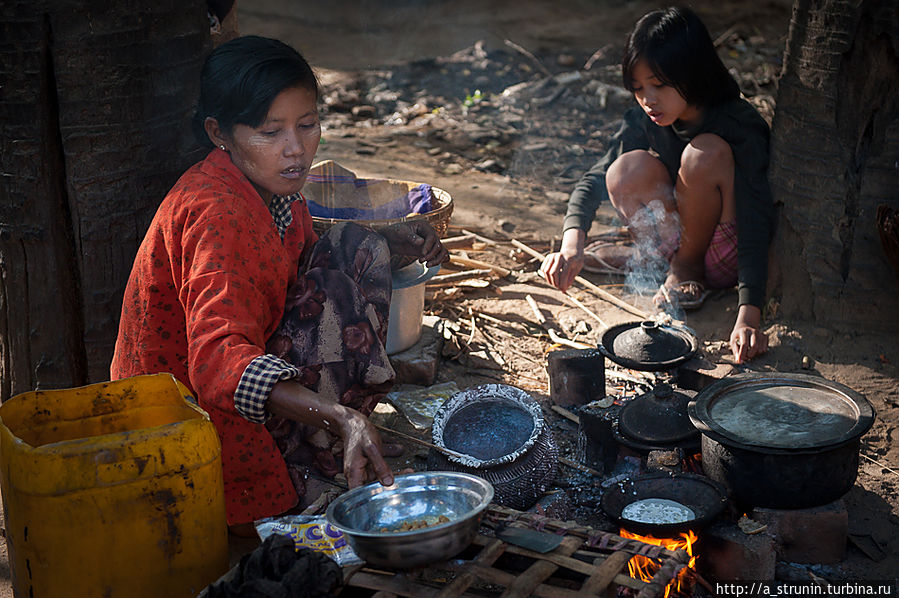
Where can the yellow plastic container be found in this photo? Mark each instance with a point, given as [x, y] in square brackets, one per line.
[112, 489]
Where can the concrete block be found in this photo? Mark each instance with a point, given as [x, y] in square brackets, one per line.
[419, 363]
[816, 535]
[726, 553]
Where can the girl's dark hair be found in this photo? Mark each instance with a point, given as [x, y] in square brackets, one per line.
[242, 77]
[678, 49]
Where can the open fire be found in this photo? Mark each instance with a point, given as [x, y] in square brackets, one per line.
[643, 568]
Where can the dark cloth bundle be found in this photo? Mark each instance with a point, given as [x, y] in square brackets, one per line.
[276, 569]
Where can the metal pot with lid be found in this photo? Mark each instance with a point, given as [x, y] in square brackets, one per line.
[657, 420]
[648, 345]
[783, 441]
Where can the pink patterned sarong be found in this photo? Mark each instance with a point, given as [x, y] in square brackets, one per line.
[721, 257]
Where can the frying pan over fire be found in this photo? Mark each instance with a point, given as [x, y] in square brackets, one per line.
[705, 497]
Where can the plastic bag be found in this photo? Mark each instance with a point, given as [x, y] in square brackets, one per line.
[310, 531]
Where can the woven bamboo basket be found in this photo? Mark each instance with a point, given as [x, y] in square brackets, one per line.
[331, 185]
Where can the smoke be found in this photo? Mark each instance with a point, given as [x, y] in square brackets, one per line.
[656, 233]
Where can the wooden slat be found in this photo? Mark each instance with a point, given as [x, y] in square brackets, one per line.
[492, 551]
[525, 584]
[605, 573]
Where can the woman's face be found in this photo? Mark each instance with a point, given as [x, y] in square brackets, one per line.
[662, 103]
[277, 154]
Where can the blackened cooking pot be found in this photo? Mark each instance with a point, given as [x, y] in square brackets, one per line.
[781, 441]
[499, 434]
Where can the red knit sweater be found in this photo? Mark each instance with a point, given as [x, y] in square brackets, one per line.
[207, 289]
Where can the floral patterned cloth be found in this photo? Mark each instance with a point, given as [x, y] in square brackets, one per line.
[333, 330]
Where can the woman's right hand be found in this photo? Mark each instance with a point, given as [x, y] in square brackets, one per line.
[361, 441]
[362, 451]
[560, 268]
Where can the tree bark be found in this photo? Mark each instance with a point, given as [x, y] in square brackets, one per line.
[94, 113]
[834, 158]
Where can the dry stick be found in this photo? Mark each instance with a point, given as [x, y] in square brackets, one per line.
[566, 414]
[553, 335]
[440, 449]
[479, 237]
[878, 463]
[461, 275]
[470, 263]
[601, 53]
[589, 313]
[603, 294]
[457, 242]
[533, 58]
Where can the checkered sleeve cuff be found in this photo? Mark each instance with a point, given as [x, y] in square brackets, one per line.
[256, 384]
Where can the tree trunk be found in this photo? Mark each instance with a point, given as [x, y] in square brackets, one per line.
[834, 159]
[95, 105]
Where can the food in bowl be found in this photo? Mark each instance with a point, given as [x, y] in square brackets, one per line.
[363, 514]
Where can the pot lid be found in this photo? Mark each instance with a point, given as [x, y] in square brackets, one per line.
[658, 418]
[413, 274]
[648, 345]
[781, 411]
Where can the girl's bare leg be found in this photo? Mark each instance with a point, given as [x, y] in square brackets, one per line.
[638, 181]
[705, 197]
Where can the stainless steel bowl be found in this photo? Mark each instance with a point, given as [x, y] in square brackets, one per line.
[369, 517]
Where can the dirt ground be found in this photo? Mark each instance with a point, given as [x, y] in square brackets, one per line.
[414, 90]
[451, 103]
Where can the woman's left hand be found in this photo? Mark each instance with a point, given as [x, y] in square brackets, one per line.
[416, 238]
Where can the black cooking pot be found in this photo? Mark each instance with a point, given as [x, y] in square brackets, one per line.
[499, 434]
[782, 441]
[648, 345]
[703, 496]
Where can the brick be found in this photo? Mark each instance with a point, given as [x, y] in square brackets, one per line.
[726, 553]
[419, 363]
[816, 535]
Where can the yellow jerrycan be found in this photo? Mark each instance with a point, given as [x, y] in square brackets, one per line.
[112, 489]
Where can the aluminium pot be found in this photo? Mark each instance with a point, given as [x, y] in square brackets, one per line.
[407, 303]
[781, 441]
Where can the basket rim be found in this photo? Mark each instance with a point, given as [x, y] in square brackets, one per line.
[443, 196]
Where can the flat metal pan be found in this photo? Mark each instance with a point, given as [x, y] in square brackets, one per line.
[705, 497]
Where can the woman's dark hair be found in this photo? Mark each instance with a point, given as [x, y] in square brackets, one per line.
[679, 51]
[241, 79]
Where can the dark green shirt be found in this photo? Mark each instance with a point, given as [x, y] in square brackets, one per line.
[743, 128]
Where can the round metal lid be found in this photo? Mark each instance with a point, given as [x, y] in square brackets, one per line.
[658, 418]
[781, 411]
[648, 345]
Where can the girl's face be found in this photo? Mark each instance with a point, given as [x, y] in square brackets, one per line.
[276, 155]
[662, 103]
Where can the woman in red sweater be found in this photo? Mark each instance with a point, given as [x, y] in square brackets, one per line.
[279, 334]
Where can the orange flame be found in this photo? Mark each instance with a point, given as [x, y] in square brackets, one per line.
[643, 568]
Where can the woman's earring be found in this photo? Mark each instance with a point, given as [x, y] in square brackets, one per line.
[222, 147]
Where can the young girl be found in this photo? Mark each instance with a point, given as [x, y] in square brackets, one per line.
[687, 171]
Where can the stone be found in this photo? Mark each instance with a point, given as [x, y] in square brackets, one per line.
[419, 363]
[728, 554]
[815, 535]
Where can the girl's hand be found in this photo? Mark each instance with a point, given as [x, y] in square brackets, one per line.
[560, 268]
[416, 238]
[362, 452]
[746, 340]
